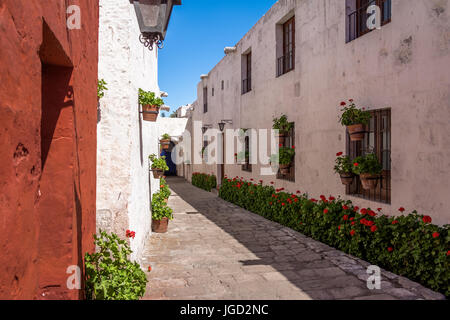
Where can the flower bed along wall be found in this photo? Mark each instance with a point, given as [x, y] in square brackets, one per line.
[409, 245]
[204, 181]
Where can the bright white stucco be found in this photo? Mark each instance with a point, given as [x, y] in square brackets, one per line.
[124, 140]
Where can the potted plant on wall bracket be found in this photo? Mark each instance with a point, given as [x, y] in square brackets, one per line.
[344, 168]
[159, 166]
[369, 170]
[165, 141]
[283, 126]
[161, 214]
[355, 120]
[150, 105]
[285, 157]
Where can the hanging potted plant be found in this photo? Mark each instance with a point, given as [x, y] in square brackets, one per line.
[150, 105]
[355, 120]
[284, 159]
[165, 141]
[344, 168]
[369, 170]
[161, 214]
[283, 126]
[159, 166]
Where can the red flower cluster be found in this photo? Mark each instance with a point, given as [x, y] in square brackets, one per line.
[344, 207]
[149, 268]
[436, 235]
[325, 211]
[394, 222]
[352, 233]
[426, 219]
[345, 218]
[401, 209]
[130, 234]
[390, 249]
[339, 154]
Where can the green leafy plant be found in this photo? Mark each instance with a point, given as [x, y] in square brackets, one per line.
[203, 181]
[160, 210]
[110, 275]
[166, 136]
[352, 115]
[158, 163]
[282, 124]
[343, 164]
[101, 88]
[409, 245]
[284, 157]
[164, 189]
[149, 98]
[367, 164]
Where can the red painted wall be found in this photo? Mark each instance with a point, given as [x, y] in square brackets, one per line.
[48, 118]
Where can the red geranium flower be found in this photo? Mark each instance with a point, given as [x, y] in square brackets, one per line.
[390, 249]
[356, 164]
[271, 182]
[351, 219]
[353, 223]
[280, 145]
[298, 191]
[331, 198]
[394, 222]
[356, 209]
[401, 209]
[313, 200]
[345, 217]
[448, 253]
[426, 219]
[283, 204]
[339, 154]
[344, 207]
[351, 100]
[339, 228]
[325, 211]
[343, 103]
[363, 211]
[373, 228]
[352, 233]
[379, 209]
[436, 234]
[149, 268]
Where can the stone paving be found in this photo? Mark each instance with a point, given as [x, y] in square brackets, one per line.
[216, 250]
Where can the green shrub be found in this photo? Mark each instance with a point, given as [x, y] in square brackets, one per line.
[149, 98]
[158, 163]
[407, 245]
[110, 275]
[352, 115]
[367, 164]
[204, 181]
[282, 125]
[160, 210]
[284, 157]
[343, 164]
[165, 191]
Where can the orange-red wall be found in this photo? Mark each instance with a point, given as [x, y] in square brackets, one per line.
[47, 168]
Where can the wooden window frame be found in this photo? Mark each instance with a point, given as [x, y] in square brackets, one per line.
[247, 82]
[379, 131]
[289, 142]
[356, 20]
[286, 63]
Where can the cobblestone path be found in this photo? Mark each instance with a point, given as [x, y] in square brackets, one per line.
[216, 250]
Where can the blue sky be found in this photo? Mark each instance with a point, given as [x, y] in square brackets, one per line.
[198, 32]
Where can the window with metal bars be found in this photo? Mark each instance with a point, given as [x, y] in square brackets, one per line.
[247, 81]
[286, 62]
[205, 100]
[357, 16]
[289, 141]
[247, 165]
[377, 140]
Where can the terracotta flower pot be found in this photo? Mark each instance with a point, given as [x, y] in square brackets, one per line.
[281, 138]
[346, 178]
[157, 173]
[160, 226]
[285, 169]
[150, 113]
[357, 132]
[369, 181]
[165, 143]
